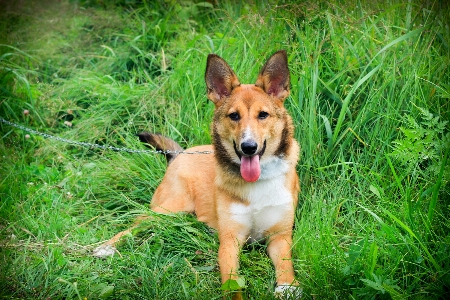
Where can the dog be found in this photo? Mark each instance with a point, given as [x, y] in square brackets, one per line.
[248, 188]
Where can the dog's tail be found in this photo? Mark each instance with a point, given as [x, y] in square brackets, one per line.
[161, 143]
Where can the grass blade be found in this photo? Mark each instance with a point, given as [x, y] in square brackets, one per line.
[367, 76]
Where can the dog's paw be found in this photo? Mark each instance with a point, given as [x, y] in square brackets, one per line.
[103, 251]
[287, 291]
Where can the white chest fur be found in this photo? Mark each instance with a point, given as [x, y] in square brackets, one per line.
[268, 200]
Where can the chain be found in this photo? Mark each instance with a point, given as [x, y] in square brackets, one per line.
[97, 146]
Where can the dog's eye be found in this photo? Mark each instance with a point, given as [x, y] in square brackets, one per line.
[262, 115]
[234, 116]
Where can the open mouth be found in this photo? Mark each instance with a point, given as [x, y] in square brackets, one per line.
[250, 167]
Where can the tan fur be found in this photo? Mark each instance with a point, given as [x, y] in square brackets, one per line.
[210, 185]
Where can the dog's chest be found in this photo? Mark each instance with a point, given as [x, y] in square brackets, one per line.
[268, 201]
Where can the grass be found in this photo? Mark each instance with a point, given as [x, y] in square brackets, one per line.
[369, 95]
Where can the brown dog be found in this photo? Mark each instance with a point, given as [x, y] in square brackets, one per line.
[248, 189]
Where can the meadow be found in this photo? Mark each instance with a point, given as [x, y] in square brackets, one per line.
[370, 98]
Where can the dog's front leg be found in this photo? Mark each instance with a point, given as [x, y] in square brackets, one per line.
[279, 250]
[229, 248]
[233, 229]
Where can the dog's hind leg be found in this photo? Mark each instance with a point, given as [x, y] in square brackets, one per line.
[165, 201]
[108, 248]
[173, 195]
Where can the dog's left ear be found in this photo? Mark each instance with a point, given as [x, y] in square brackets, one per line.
[274, 76]
[220, 79]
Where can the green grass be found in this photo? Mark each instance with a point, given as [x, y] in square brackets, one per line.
[370, 92]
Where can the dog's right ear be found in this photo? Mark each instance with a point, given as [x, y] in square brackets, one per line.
[220, 79]
[274, 76]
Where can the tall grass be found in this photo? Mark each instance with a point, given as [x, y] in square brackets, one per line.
[369, 88]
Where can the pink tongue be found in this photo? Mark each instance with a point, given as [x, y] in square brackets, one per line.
[250, 169]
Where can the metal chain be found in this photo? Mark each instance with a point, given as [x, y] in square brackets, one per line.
[104, 147]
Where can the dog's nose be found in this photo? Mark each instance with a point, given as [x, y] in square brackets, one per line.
[249, 147]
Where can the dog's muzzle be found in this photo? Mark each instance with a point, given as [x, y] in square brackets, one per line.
[249, 148]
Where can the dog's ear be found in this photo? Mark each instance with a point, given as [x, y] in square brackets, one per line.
[274, 76]
[220, 78]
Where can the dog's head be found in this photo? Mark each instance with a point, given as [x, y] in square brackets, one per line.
[251, 125]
